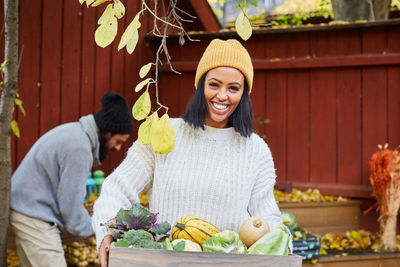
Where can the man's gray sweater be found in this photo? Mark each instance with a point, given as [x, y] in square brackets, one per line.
[50, 182]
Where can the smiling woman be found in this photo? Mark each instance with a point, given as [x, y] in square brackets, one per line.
[224, 79]
[219, 170]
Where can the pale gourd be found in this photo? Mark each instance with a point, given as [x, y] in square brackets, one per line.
[253, 229]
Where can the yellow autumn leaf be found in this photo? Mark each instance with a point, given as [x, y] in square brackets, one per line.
[88, 2]
[144, 129]
[145, 69]
[130, 46]
[243, 26]
[106, 33]
[107, 16]
[142, 84]
[119, 9]
[18, 102]
[142, 106]
[162, 135]
[130, 32]
[99, 2]
[108, 28]
[14, 128]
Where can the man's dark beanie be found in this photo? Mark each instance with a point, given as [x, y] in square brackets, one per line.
[115, 115]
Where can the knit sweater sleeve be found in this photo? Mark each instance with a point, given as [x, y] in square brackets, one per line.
[262, 201]
[122, 187]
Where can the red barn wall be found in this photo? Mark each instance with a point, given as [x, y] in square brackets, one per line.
[331, 93]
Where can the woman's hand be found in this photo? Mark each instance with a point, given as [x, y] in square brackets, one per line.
[104, 249]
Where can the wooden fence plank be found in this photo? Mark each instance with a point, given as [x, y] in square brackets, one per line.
[71, 55]
[276, 104]
[393, 36]
[88, 61]
[51, 64]
[29, 79]
[298, 126]
[323, 111]
[186, 80]
[348, 84]
[298, 120]
[323, 126]
[322, 44]
[374, 117]
[277, 113]
[349, 88]
[393, 106]
[256, 49]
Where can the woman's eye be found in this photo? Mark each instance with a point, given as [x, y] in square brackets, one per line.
[234, 88]
[213, 84]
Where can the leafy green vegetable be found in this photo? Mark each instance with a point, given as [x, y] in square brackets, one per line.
[289, 220]
[121, 243]
[226, 241]
[138, 239]
[274, 242]
[138, 218]
[185, 245]
[160, 228]
[180, 246]
[167, 244]
[133, 236]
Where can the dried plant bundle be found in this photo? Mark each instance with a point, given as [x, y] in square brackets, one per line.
[385, 180]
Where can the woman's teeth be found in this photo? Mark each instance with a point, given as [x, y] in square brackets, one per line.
[220, 107]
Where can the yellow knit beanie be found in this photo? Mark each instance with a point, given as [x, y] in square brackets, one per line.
[229, 53]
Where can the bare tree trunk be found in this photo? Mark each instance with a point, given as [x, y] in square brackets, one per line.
[389, 233]
[8, 93]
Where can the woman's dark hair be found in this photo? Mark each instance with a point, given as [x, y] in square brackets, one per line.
[241, 119]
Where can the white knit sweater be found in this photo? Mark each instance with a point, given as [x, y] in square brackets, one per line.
[214, 174]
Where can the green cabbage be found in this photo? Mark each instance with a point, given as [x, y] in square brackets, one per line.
[275, 242]
[226, 241]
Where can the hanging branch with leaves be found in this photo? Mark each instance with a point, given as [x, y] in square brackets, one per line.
[158, 132]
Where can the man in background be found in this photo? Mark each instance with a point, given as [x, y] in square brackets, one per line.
[49, 186]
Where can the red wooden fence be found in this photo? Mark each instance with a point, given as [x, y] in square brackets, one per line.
[331, 92]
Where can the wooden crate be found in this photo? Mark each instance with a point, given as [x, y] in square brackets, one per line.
[120, 257]
[364, 260]
[325, 217]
